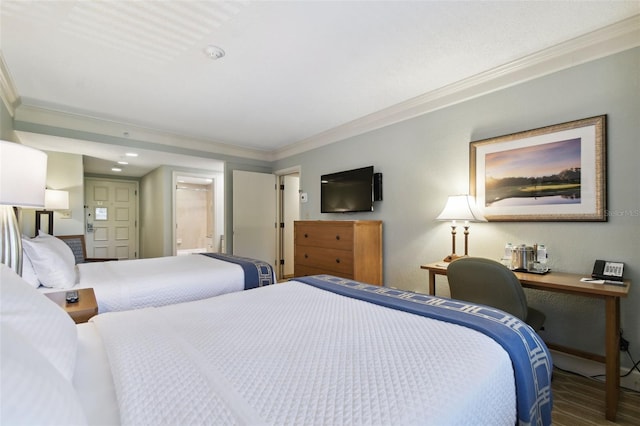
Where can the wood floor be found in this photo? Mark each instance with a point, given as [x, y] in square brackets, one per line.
[579, 401]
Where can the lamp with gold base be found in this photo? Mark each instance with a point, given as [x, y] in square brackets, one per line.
[460, 207]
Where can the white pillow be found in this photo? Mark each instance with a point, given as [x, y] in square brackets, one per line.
[28, 273]
[33, 391]
[52, 260]
[39, 321]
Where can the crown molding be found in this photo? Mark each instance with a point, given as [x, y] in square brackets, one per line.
[606, 41]
[28, 112]
[8, 91]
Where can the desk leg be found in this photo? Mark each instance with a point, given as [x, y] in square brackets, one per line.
[432, 283]
[612, 342]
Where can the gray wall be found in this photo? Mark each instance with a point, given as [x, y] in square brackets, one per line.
[155, 213]
[425, 159]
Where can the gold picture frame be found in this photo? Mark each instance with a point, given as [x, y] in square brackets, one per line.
[555, 173]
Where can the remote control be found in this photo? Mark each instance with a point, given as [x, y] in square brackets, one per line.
[71, 296]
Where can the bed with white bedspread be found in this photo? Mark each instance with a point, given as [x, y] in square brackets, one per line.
[49, 265]
[323, 351]
[140, 283]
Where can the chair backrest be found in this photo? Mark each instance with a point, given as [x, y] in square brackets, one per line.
[77, 244]
[487, 282]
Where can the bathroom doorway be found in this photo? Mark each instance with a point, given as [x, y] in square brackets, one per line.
[195, 215]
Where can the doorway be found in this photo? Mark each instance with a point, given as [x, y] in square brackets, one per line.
[111, 218]
[195, 214]
[288, 212]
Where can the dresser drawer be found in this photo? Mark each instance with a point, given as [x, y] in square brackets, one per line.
[329, 260]
[332, 236]
[345, 248]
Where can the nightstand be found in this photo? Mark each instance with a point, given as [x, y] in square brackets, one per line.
[81, 311]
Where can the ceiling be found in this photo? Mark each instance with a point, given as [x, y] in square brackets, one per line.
[292, 70]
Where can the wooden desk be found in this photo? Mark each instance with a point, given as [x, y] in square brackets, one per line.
[81, 311]
[570, 283]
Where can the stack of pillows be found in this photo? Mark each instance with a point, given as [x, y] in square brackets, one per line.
[38, 357]
[48, 261]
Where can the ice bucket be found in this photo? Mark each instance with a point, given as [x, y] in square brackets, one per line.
[521, 257]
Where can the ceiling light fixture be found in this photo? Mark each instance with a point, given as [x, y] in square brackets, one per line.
[116, 169]
[124, 163]
[213, 52]
[131, 154]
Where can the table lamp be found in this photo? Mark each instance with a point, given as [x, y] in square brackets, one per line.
[53, 200]
[460, 207]
[23, 177]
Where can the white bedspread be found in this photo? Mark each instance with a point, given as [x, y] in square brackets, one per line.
[92, 378]
[294, 354]
[133, 284]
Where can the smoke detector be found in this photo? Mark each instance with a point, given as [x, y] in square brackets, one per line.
[213, 52]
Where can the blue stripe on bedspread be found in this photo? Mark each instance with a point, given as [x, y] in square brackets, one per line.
[529, 355]
[256, 272]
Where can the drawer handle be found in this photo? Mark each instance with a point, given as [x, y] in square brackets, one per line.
[306, 256]
[338, 237]
[338, 260]
[306, 235]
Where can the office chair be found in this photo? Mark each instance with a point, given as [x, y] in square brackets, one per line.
[79, 249]
[487, 282]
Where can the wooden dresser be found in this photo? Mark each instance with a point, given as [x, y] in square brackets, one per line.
[345, 248]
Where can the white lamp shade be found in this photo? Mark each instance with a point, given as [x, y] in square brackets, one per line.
[23, 175]
[56, 200]
[461, 207]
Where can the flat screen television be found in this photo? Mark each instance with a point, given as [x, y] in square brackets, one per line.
[348, 191]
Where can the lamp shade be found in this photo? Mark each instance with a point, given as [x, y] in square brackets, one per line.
[56, 200]
[461, 207]
[23, 175]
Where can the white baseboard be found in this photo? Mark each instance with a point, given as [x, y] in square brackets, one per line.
[632, 381]
[589, 368]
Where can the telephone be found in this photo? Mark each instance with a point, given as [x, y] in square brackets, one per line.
[607, 270]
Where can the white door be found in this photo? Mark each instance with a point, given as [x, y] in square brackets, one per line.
[254, 215]
[111, 208]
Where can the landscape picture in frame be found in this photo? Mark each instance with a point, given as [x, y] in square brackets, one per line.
[554, 173]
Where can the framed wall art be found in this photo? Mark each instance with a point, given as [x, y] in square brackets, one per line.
[555, 173]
